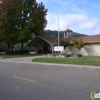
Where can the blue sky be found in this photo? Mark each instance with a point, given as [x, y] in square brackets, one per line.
[82, 16]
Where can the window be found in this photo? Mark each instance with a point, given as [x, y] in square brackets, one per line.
[65, 34]
[90, 47]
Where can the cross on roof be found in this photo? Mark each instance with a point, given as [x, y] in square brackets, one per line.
[67, 26]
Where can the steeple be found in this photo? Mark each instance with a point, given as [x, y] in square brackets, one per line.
[68, 33]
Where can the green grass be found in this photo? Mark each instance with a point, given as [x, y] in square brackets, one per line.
[19, 55]
[88, 60]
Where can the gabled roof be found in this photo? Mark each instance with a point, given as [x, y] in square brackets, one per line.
[50, 40]
[86, 39]
[53, 40]
[68, 30]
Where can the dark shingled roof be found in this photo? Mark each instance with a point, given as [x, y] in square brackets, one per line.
[68, 30]
[86, 39]
[53, 40]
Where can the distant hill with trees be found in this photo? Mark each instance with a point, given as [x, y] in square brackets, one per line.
[61, 33]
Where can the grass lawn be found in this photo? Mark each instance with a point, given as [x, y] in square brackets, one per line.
[19, 55]
[87, 60]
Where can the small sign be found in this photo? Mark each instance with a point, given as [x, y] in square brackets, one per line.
[58, 48]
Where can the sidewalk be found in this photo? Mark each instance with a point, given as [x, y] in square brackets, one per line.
[28, 60]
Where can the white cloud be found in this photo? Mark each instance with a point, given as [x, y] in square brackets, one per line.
[71, 14]
[52, 21]
[75, 22]
[89, 24]
[96, 30]
[63, 2]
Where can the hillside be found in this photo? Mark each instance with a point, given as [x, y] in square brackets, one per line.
[61, 33]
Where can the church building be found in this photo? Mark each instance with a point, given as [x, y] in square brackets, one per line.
[45, 45]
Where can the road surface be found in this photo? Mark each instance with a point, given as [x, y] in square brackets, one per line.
[40, 82]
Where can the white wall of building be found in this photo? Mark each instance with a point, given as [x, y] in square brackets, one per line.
[87, 50]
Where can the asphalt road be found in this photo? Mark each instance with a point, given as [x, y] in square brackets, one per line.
[1, 55]
[38, 82]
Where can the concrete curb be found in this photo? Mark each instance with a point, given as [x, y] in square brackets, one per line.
[28, 60]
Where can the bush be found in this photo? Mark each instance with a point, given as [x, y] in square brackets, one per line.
[72, 55]
[2, 50]
[79, 55]
[18, 52]
[68, 55]
[54, 54]
[64, 54]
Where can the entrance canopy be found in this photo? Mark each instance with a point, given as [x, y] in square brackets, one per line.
[43, 44]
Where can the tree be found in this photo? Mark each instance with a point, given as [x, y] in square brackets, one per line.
[19, 19]
[7, 25]
[64, 43]
[38, 18]
[78, 44]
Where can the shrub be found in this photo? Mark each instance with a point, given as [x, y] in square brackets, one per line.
[79, 55]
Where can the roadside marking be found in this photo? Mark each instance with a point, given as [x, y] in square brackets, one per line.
[25, 79]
